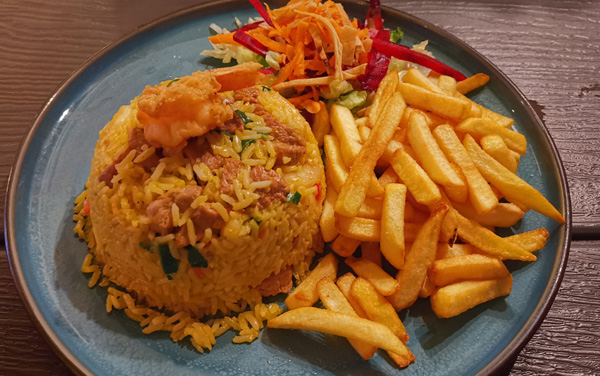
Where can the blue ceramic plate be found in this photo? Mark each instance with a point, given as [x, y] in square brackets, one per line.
[53, 165]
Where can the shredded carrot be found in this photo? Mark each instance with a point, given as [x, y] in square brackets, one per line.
[223, 39]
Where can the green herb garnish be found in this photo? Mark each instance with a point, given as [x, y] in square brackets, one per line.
[169, 263]
[246, 143]
[174, 80]
[195, 258]
[258, 221]
[293, 197]
[396, 35]
[266, 88]
[243, 116]
[228, 134]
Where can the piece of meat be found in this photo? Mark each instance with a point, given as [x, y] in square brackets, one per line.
[276, 283]
[288, 142]
[247, 95]
[160, 210]
[293, 152]
[232, 125]
[231, 169]
[136, 141]
[198, 150]
[276, 191]
[160, 215]
[203, 217]
[189, 107]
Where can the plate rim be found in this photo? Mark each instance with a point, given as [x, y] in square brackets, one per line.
[497, 364]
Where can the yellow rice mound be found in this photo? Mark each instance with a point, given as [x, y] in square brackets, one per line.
[244, 254]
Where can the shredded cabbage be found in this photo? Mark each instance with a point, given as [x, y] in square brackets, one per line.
[353, 99]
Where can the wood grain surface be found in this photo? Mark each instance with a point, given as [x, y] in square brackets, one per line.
[549, 49]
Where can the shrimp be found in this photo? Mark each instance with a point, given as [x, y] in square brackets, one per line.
[189, 107]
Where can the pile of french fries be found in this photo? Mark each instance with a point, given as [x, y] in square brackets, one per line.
[421, 178]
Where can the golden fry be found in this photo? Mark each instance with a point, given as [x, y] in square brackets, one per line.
[415, 77]
[345, 129]
[363, 229]
[418, 260]
[305, 294]
[334, 300]
[432, 158]
[505, 214]
[354, 190]
[481, 195]
[392, 224]
[438, 103]
[344, 246]
[452, 300]
[348, 326]
[530, 241]
[495, 146]
[479, 127]
[471, 83]
[383, 282]
[415, 178]
[511, 186]
[377, 307]
[327, 220]
[321, 125]
[466, 268]
[344, 283]
[490, 243]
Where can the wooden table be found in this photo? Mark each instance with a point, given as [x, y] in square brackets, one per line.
[550, 49]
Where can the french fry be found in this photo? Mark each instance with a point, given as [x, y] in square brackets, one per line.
[305, 294]
[471, 83]
[452, 300]
[481, 195]
[337, 170]
[371, 252]
[413, 215]
[446, 250]
[383, 282]
[486, 113]
[377, 307]
[505, 214]
[447, 84]
[530, 241]
[495, 146]
[384, 92]
[488, 242]
[392, 224]
[327, 220]
[432, 158]
[415, 178]
[348, 326]
[344, 283]
[410, 233]
[334, 300]
[457, 194]
[354, 190]
[344, 246]
[427, 289]
[418, 260]
[479, 127]
[438, 103]
[321, 125]
[363, 229]
[371, 208]
[473, 267]
[509, 184]
[342, 122]
[415, 77]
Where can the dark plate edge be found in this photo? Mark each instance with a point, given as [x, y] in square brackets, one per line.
[499, 363]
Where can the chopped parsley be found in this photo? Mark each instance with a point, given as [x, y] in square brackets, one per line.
[293, 197]
[396, 35]
[266, 88]
[258, 221]
[243, 116]
[174, 80]
[195, 258]
[228, 134]
[246, 143]
[168, 262]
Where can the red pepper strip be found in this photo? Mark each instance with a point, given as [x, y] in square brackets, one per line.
[375, 8]
[199, 272]
[404, 53]
[318, 195]
[377, 68]
[86, 207]
[249, 42]
[268, 70]
[263, 12]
